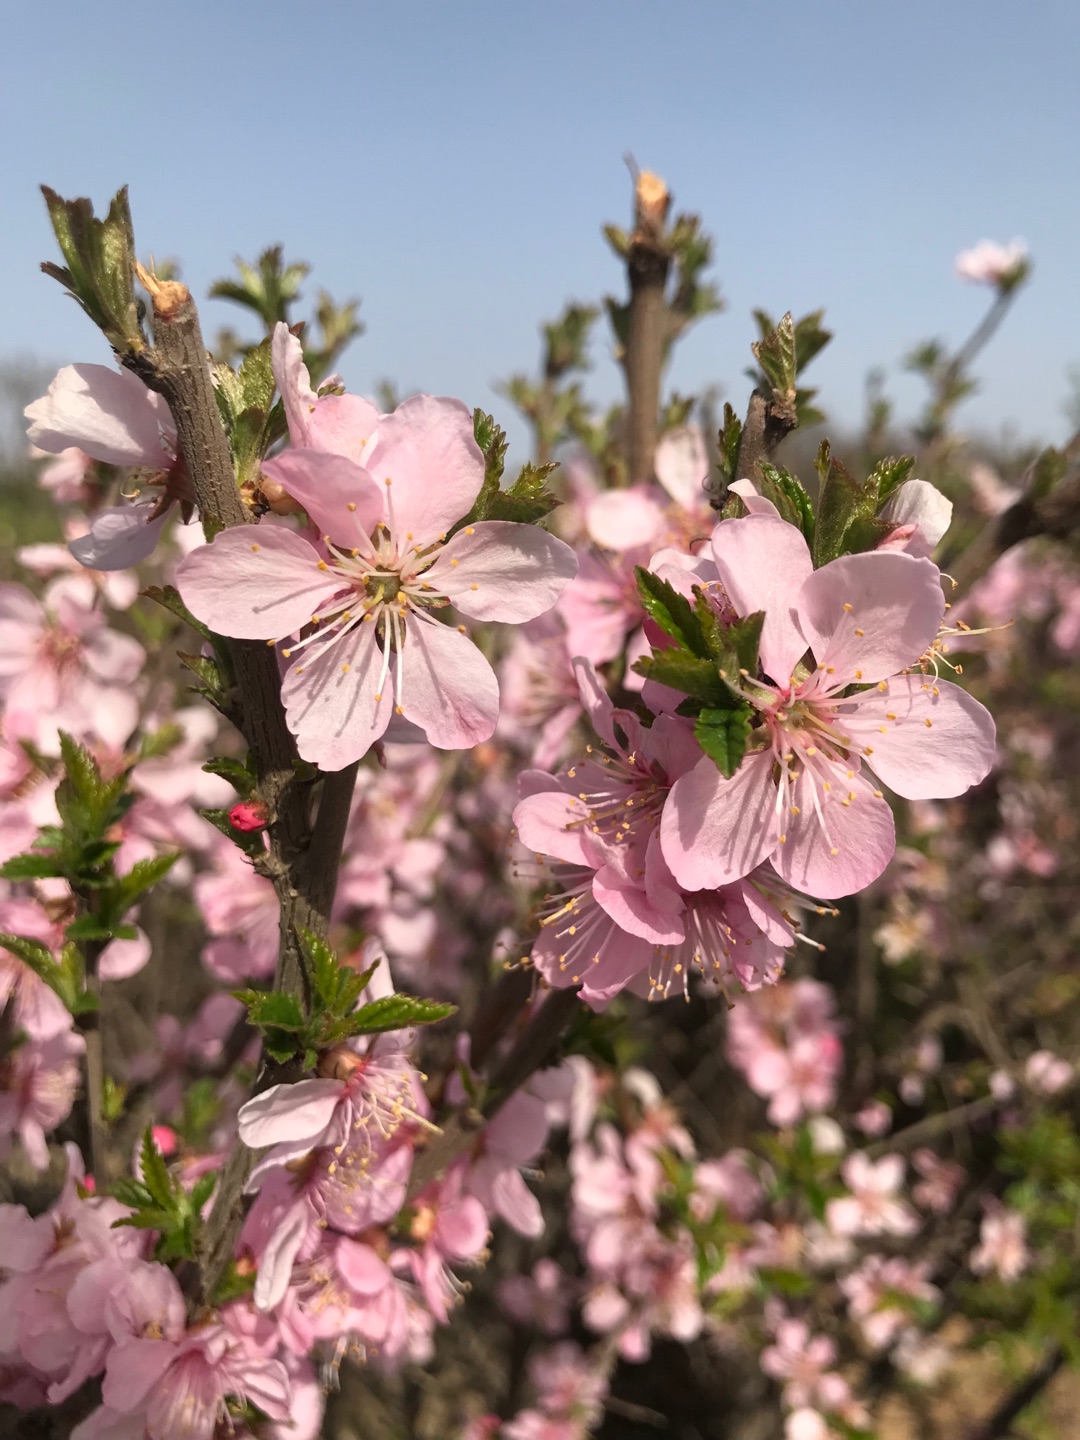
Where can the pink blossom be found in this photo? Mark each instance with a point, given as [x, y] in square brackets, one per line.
[941, 1181]
[38, 1081]
[989, 263]
[371, 585]
[1002, 1245]
[873, 1207]
[872, 1292]
[61, 666]
[114, 418]
[866, 618]
[1046, 1072]
[798, 1359]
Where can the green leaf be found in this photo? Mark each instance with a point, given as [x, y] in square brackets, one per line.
[90, 927]
[775, 353]
[169, 597]
[235, 771]
[31, 867]
[841, 501]
[671, 611]
[723, 735]
[397, 1012]
[142, 876]
[789, 497]
[155, 1175]
[889, 474]
[31, 952]
[100, 257]
[688, 673]
[728, 442]
[742, 641]
[272, 1008]
[132, 1192]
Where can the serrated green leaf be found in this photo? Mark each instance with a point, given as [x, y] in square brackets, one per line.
[280, 1045]
[789, 497]
[397, 1012]
[100, 264]
[889, 474]
[728, 442]
[203, 1189]
[235, 771]
[723, 735]
[142, 876]
[132, 1192]
[155, 1174]
[169, 597]
[673, 613]
[31, 867]
[742, 640]
[31, 952]
[680, 670]
[775, 353]
[841, 501]
[274, 1009]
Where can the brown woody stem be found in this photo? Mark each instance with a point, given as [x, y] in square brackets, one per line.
[302, 857]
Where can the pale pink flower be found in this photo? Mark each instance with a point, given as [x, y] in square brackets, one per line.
[61, 666]
[798, 1359]
[1046, 1072]
[371, 585]
[112, 417]
[866, 618]
[1002, 1245]
[941, 1180]
[872, 1292]
[989, 263]
[873, 1208]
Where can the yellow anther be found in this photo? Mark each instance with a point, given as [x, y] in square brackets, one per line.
[323, 565]
[351, 505]
[254, 547]
[928, 723]
[474, 586]
[455, 562]
[890, 715]
[858, 674]
[868, 750]
[346, 667]
[848, 607]
[860, 632]
[470, 530]
[834, 851]
[287, 653]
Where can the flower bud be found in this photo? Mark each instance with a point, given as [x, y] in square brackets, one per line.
[249, 815]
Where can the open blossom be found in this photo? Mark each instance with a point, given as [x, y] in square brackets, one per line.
[112, 417]
[873, 1208]
[801, 796]
[370, 587]
[617, 918]
[989, 263]
[1002, 1245]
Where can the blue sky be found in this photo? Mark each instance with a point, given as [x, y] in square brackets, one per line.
[451, 163]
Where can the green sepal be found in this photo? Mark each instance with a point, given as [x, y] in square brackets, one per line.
[889, 474]
[251, 842]
[723, 736]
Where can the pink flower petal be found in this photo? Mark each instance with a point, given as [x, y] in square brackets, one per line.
[624, 519]
[763, 563]
[874, 613]
[426, 448]
[682, 466]
[553, 824]
[109, 414]
[342, 500]
[361, 1268]
[343, 424]
[447, 686]
[861, 832]
[921, 504]
[279, 1254]
[714, 831]
[300, 1111]
[255, 582]
[923, 745]
[755, 504]
[333, 701]
[133, 1371]
[496, 570]
[119, 536]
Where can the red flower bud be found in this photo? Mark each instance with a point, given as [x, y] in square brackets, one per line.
[249, 815]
